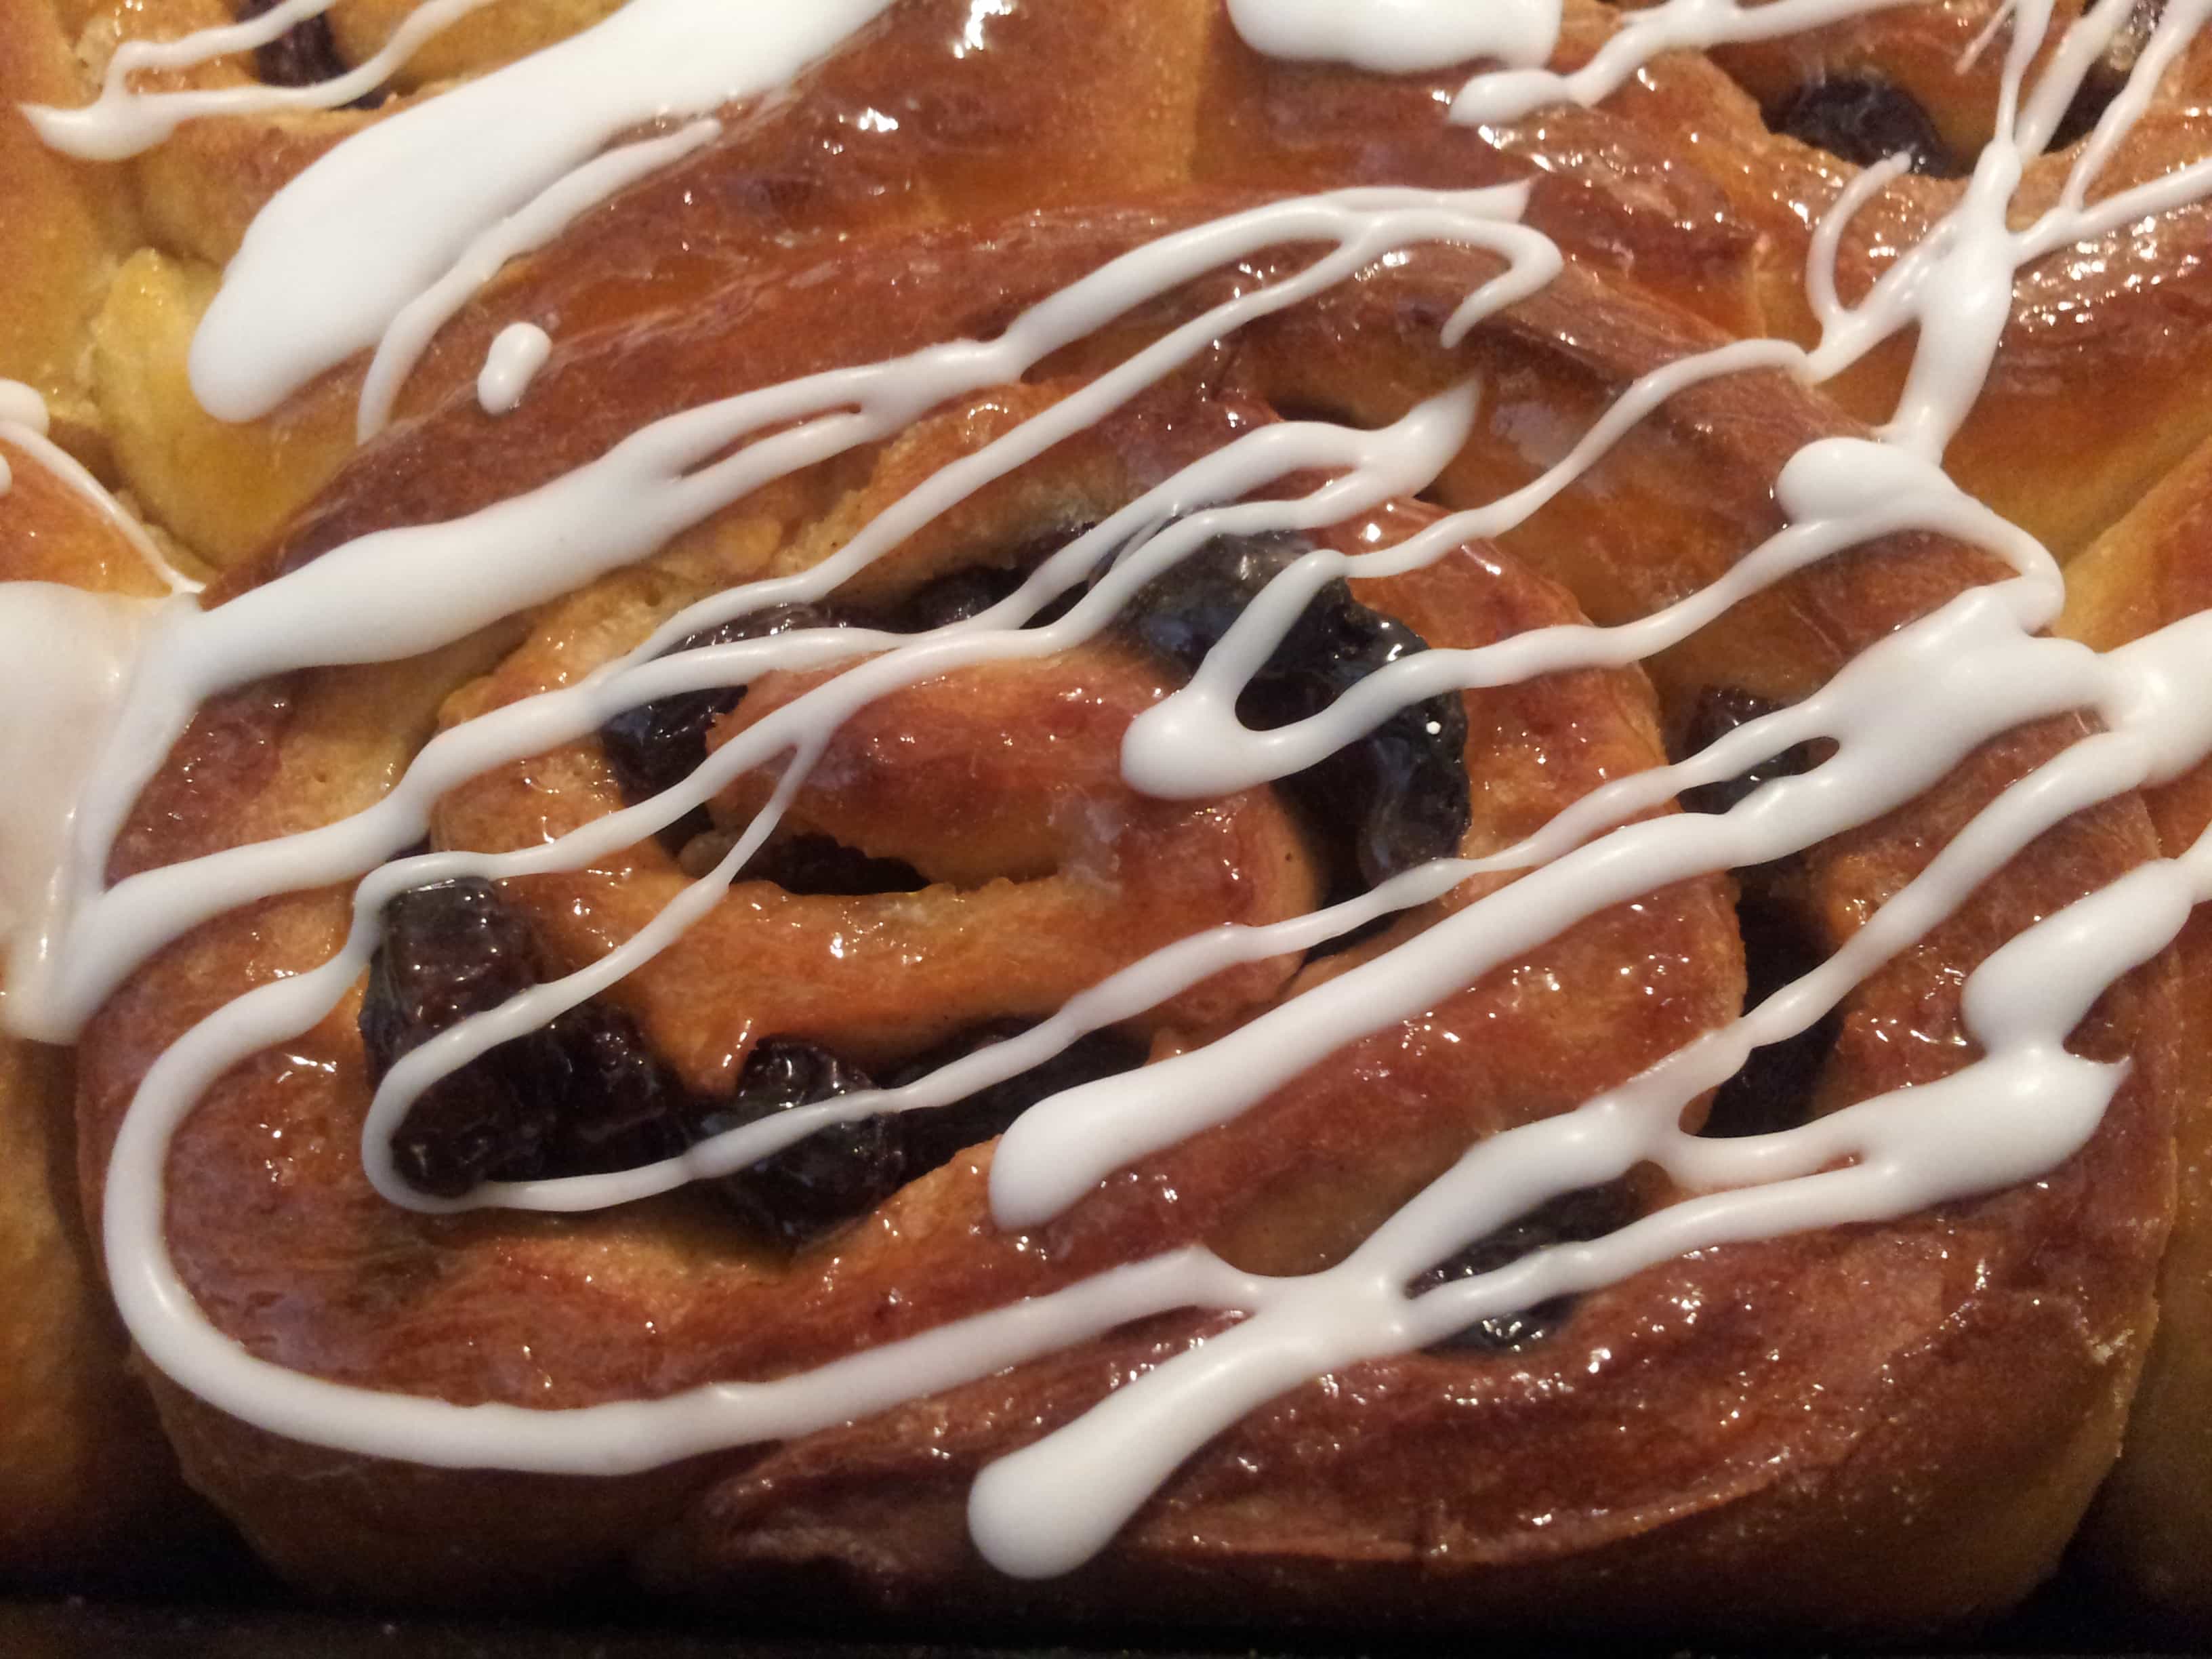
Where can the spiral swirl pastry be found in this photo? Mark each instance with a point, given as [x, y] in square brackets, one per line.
[962, 926]
[1249, 832]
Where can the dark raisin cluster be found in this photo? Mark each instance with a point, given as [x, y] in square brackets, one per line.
[966, 593]
[2106, 78]
[1863, 120]
[1775, 1088]
[1572, 1218]
[582, 1095]
[824, 865]
[1397, 797]
[934, 1137]
[813, 1185]
[587, 1094]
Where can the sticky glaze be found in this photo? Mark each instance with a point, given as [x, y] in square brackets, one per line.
[1898, 719]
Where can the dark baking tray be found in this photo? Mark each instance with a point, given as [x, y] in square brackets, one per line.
[254, 1621]
[86, 1629]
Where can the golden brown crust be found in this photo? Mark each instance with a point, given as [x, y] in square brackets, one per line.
[2152, 1528]
[1872, 1427]
[63, 227]
[87, 1473]
[1776, 1423]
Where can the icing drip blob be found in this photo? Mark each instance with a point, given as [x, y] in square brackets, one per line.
[516, 355]
[529, 227]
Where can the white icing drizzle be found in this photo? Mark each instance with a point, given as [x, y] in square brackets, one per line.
[22, 409]
[343, 252]
[344, 249]
[517, 354]
[65, 656]
[1673, 26]
[1998, 21]
[24, 422]
[1899, 717]
[125, 121]
[357, 603]
[523, 231]
[21, 405]
[1397, 37]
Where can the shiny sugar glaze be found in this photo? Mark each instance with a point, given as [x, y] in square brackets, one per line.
[1046, 1508]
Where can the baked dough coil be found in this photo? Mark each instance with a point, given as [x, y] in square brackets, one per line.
[1840, 1357]
[1832, 1429]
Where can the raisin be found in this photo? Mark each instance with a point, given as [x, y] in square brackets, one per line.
[952, 598]
[1395, 799]
[1183, 613]
[657, 745]
[825, 864]
[616, 1103]
[583, 1096]
[304, 55]
[837, 1174]
[936, 1135]
[451, 949]
[1409, 774]
[470, 1127]
[2086, 109]
[1718, 711]
[815, 1185]
[1774, 1089]
[2108, 77]
[1863, 120]
[1572, 1218]
[969, 591]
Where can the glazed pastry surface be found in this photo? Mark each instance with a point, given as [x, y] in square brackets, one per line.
[914, 358]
